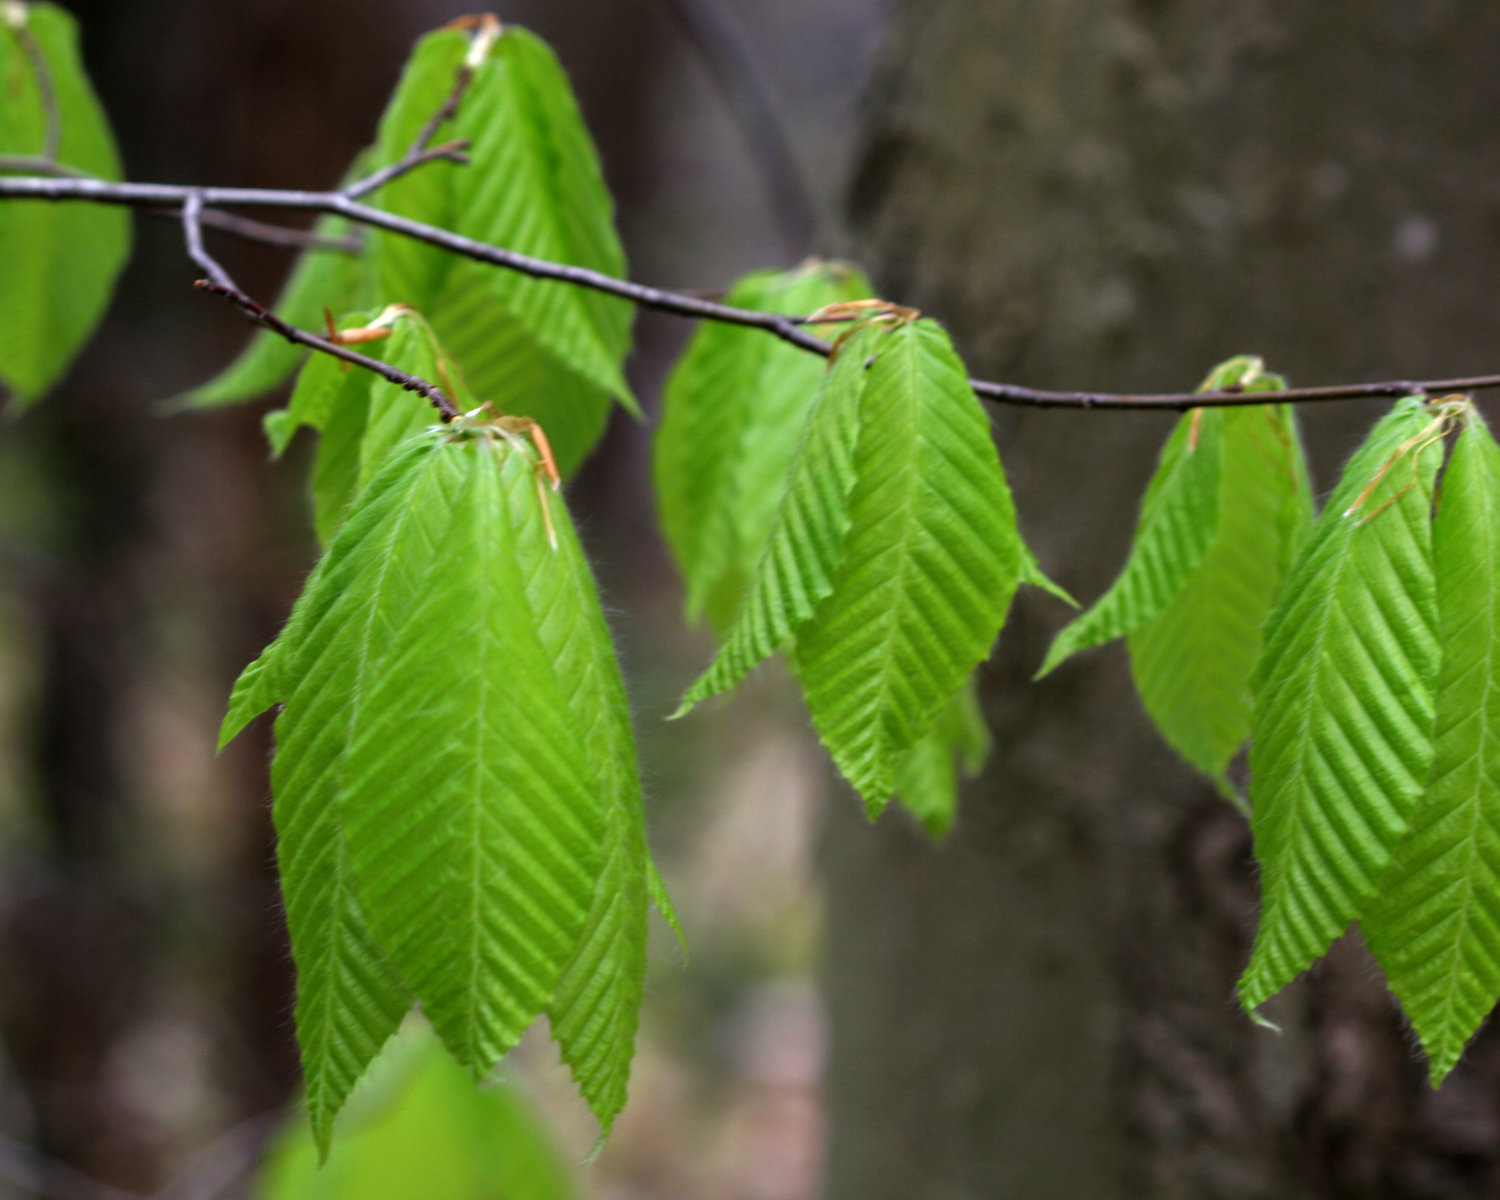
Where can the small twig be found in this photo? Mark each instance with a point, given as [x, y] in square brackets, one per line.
[46, 89]
[270, 235]
[220, 284]
[485, 30]
[452, 151]
[36, 165]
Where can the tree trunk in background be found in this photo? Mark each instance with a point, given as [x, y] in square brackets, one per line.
[1117, 195]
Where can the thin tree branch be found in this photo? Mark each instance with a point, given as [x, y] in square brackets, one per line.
[452, 151]
[220, 284]
[484, 30]
[270, 235]
[789, 329]
[35, 165]
[46, 89]
[715, 31]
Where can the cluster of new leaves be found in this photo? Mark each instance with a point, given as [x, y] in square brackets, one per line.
[1359, 655]
[890, 557]
[456, 795]
[534, 186]
[741, 416]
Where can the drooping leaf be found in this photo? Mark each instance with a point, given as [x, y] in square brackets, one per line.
[796, 568]
[349, 998]
[426, 720]
[334, 279]
[60, 261]
[1193, 660]
[471, 807]
[1032, 573]
[595, 1007]
[417, 1126]
[927, 777]
[547, 350]
[1435, 926]
[1178, 517]
[731, 413]
[536, 187]
[1342, 723]
[931, 561]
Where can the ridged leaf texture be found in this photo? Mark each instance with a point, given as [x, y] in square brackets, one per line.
[456, 797]
[929, 565]
[1193, 660]
[731, 413]
[595, 1007]
[1435, 926]
[60, 261]
[1179, 516]
[796, 567]
[537, 348]
[1342, 731]
[927, 777]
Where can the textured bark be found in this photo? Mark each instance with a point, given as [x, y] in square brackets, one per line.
[1118, 194]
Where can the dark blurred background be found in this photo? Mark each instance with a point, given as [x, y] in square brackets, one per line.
[1112, 194]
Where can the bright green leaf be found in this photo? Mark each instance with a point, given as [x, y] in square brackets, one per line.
[60, 260]
[1193, 660]
[927, 777]
[417, 1126]
[731, 413]
[930, 564]
[395, 414]
[796, 568]
[534, 186]
[1178, 519]
[471, 806]
[1343, 708]
[1435, 926]
[595, 1007]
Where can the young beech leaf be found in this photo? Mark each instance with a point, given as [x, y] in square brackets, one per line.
[1192, 661]
[1342, 724]
[1435, 926]
[1178, 519]
[470, 799]
[534, 186]
[796, 567]
[731, 413]
[927, 777]
[394, 413]
[929, 565]
[58, 262]
[595, 1007]
[452, 708]
[319, 382]
[349, 999]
